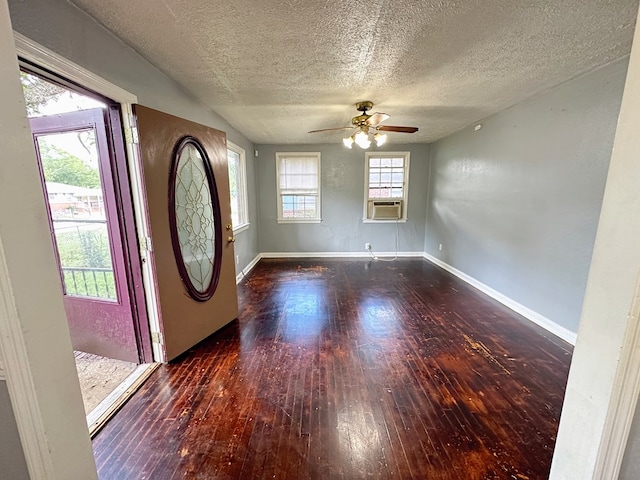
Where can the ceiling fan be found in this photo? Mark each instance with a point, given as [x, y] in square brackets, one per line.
[364, 124]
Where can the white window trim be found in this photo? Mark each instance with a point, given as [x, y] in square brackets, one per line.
[405, 199]
[371, 220]
[241, 228]
[243, 186]
[280, 219]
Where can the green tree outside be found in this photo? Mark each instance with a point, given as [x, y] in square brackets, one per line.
[62, 167]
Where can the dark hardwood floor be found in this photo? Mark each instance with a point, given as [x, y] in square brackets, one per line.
[349, 369]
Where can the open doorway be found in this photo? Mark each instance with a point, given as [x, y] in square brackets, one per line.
[78, 141]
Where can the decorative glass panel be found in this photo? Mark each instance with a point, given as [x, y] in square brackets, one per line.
[196, 225]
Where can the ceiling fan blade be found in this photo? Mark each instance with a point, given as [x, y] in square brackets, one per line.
[391, 128]
[331, 129]
[376, 118]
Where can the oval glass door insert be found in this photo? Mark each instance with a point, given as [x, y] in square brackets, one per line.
[194, 218]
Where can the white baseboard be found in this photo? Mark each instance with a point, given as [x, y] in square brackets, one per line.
[245, 271]
[338, 254]
[549, 325]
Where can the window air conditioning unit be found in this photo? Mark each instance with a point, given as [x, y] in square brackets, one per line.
[381, 210]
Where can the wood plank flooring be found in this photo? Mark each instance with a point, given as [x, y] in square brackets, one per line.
[349, 369]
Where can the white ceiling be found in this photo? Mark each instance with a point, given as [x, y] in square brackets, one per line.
[277, 69]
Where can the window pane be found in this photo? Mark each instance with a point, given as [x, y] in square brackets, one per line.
[287, 206]
[234, 160]
[75, 195]
[397, 177]
[237, 187]
[386, 177]
[299, 206]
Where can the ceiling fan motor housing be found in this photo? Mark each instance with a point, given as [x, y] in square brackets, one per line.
[360, 120]
[364, 106]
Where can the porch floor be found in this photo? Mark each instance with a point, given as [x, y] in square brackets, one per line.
[99, 376]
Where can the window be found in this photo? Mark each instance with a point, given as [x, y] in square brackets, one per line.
[237, 187]
[298, 177]
[386, 186]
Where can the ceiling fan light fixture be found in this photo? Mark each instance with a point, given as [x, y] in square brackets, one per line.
[380, 139]
[362, 139]
[368, 124]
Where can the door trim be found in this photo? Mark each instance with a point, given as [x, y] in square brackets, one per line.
[36, 53]
[43, 57]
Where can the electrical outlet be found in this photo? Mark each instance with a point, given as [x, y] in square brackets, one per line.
[440, 247]
[237, 259]
[367, 246]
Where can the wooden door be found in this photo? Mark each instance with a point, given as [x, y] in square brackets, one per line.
[186, 317]
[75, 160]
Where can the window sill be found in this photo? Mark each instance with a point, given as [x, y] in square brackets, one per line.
[369, 220]
[300, 220]
[241, 228]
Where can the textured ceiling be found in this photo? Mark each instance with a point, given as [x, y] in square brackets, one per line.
[276, 69]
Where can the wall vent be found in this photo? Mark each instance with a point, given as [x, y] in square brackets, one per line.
[386, 210]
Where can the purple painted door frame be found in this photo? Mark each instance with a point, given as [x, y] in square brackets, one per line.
[131, 244]
[115, 329]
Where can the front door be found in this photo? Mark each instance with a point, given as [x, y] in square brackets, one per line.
[74, 149]
[187, 189]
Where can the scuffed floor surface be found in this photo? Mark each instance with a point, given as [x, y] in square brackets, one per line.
[349, 369]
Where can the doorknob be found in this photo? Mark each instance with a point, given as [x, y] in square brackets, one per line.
[231, 239]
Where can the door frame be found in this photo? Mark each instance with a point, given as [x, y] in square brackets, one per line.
[115, 327]
[126, 137]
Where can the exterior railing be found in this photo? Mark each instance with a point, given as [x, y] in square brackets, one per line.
[90, 282]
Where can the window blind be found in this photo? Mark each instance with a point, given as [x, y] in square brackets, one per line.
[298, 175]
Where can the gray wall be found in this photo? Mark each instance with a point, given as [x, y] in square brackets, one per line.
[342, 184]
[12, 463]
[516, 204]
[63, 28]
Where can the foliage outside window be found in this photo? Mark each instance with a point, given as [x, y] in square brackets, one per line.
[237, 186]
[298, 177]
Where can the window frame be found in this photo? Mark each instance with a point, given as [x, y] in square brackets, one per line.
[243, 199]
[405, 190]
[318, 217]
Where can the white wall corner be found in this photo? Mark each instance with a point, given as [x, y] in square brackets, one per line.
[540, 320]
